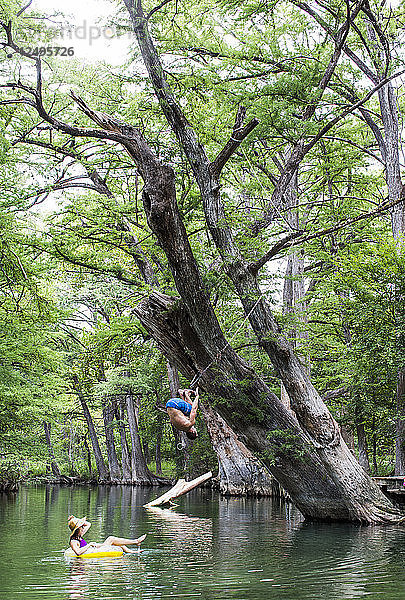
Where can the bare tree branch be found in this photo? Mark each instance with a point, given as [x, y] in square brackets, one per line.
[161, 5]
[301, 149]
[340, 39]
[24, 8]
[239, 133]
[356, 59]
[299, 237]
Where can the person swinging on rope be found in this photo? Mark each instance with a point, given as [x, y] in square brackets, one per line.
[182, 412]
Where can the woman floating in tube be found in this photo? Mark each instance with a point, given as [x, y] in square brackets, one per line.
[79, 528]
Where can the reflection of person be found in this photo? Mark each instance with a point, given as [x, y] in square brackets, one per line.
[78, 581]
[79, 528]
[182, 412]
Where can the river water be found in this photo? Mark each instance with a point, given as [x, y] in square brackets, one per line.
[207, 547]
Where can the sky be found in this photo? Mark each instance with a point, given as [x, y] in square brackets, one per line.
[86, 33]
[91, 42]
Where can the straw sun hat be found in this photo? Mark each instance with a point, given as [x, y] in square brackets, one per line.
[74, 523]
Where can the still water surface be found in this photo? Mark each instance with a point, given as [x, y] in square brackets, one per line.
[207, 548]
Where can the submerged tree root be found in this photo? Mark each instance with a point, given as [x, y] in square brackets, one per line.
[377, 515]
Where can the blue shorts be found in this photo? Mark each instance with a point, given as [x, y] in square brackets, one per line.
[181, 405]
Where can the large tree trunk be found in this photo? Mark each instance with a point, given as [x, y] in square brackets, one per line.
[158, 447]
[349, 493]
[400, 425]
[125, 452]
[358, 412]
[140, 474]
[244, 400]
[361, 437]
[101, 468]
[146, 452]
[374, 445]
[240, 473]
[54, 465]
[113, 464]
[294, 281]
[362, 447]
[88, 456]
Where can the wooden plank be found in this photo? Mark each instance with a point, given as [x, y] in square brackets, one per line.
[180, 488]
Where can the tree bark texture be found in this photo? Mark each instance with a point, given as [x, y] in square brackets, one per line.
[389, 144]
[101, 468]
[113, 464]
[240, 473]
[140, 473]
[347, 435]
[294, 281]
[125, 451]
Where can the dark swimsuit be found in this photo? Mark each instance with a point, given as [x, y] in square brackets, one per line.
[83, 543]
[180, 405]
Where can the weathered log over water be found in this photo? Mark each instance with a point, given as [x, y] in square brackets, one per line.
[179, 489]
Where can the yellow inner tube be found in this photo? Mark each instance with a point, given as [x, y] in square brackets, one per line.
[107, 552]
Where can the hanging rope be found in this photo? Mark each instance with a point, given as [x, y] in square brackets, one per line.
[198, 375]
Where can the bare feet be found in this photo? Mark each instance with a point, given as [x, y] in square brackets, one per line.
[139, 540]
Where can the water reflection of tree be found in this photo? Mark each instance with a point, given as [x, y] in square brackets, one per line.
[51, 499]
[186, 534]
[114, 508]
[246, 524]
[345, 561]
